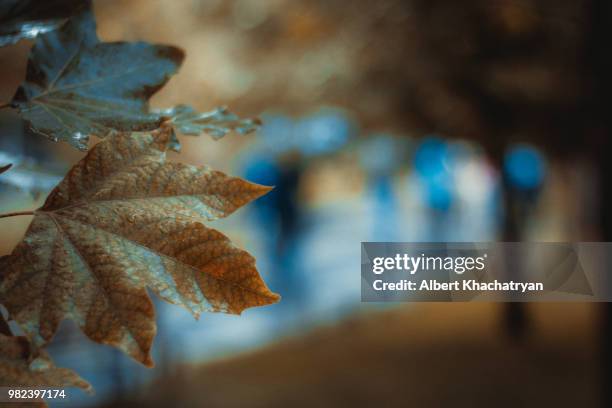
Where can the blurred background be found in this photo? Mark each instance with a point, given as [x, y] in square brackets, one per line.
[414, 120]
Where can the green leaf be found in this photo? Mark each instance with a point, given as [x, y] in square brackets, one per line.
[24, 19]
[77, 86]
[216, 123]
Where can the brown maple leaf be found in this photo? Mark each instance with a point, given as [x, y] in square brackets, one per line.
[123, 220]
[18, 367]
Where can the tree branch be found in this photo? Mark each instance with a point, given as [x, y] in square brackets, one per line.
[14, 214]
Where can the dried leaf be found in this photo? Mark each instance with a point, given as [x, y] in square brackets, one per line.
[5, 167]
[21, 19]
[216, 123]
[123, 219]
[76, 86]
[19, 368]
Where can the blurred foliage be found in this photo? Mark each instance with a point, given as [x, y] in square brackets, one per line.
[494, 71]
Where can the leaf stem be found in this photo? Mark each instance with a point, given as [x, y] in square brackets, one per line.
[4, 327]
[14, 214]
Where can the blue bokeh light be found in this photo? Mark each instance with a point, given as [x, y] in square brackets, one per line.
[431, 161]
[525, 167]
[323, 132]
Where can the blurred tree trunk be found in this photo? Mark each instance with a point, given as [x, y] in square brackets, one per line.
[514, 319]
[599, 63]
[515, 212]
[605, 172]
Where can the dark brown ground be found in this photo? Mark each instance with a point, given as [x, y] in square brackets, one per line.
[430, 355]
